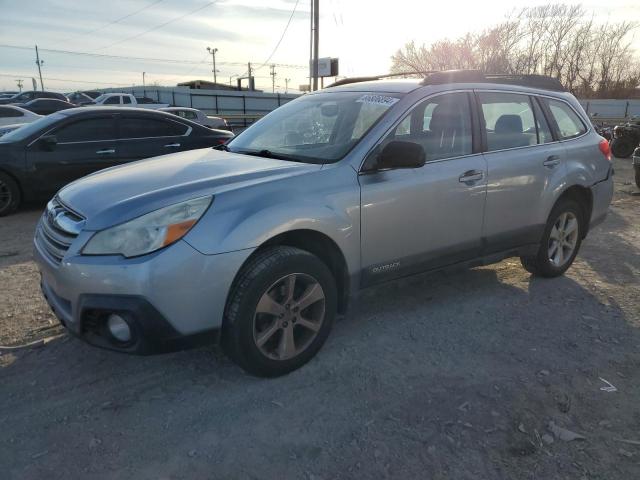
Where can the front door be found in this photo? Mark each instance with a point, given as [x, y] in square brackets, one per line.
[419, 219]
[83, 147]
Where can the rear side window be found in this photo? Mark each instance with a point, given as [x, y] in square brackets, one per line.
[140, 127]
[569, 124]
[126, 100]
[9, 112]
[508, 120]
[87, 130]
[112, 101]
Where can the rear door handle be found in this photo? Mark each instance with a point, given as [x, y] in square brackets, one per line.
[552, 161]
[106, 151]
[172, 145]
[471, 176]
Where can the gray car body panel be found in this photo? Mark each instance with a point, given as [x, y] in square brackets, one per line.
[372, 218]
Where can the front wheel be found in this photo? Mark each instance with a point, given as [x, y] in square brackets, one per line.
[280, 311]
[637, 170]
[560, 243]
[623, 147]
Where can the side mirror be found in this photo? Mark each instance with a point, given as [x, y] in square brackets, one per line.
[48, 142]
[401, 154]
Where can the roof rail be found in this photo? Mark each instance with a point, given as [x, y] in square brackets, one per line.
[347, 81]
[467, 76]
[476, 76]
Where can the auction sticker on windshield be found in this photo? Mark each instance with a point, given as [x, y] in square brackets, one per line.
[377, 100]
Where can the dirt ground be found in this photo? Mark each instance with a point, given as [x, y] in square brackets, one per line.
[449, 376]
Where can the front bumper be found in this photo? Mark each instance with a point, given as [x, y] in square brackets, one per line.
[171, 299]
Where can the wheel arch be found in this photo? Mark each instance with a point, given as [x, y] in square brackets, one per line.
[320, 245]
[15, 179]
[584, 197]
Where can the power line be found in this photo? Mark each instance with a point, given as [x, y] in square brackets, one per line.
[281, 37]
[145, 59]
[117, 20]
[202, 7]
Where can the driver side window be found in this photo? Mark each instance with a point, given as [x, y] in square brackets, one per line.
[441, 125]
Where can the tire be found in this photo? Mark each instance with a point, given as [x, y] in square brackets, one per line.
[623, 147]
[637, 171]
[266, 343]
[547, 264]
[10, 197]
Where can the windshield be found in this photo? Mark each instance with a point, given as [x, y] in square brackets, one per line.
[99, 98]
[31, 128]
[316, 128]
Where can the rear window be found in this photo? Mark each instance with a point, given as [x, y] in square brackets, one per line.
[568, 121]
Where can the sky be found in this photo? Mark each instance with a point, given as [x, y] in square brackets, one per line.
[363, 34]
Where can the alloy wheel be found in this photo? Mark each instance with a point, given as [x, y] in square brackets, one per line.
[289, 316]
[563, 239]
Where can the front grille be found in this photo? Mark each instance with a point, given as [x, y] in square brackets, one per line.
[57, 230]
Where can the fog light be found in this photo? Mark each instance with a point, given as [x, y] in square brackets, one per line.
[119, 328]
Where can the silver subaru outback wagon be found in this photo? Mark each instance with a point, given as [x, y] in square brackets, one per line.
[259, 244]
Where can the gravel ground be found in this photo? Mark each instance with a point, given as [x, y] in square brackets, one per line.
[457, 376]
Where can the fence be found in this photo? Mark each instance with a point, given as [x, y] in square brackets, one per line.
[611, 110]
[240, 108]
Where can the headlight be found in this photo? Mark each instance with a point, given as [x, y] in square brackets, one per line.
[149, 232]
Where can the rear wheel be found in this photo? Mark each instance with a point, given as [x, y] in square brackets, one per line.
[9, 195]
[280, 311]
[637, 169]
[561, 241]
[623, 147]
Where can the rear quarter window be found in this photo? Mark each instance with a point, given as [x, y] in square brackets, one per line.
[569, 123]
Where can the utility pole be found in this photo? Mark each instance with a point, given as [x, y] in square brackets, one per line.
[213, 51]
[273, 78]
[286, 85]
[39, 63]
[251, 85]
[316, 39]
[143, 84]
[19, 83]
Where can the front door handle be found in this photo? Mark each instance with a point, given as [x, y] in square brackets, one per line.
[552, 161]
[471, 176]
[106, 151]
[172, 145]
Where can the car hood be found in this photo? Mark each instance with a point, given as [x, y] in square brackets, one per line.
[118, 194]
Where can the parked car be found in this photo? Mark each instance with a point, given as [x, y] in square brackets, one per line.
[25, 97]
[46, 106]
[10, 114]
[127, 100]
[79, 98]
[198, 116]
[260, 245]
[4, 129]
[38, 159]
[8, 94]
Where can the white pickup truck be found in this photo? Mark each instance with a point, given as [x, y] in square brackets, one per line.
[126, 100]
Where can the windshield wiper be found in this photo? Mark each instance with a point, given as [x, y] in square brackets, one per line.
[268, 154]
[221, 147]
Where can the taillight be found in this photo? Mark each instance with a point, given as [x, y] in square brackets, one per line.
[605, 149]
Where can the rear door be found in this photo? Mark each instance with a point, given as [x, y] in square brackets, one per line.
[524, 164]
[83, 147]
[143, 136]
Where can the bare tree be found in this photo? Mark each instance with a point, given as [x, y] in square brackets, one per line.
[558, 40]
